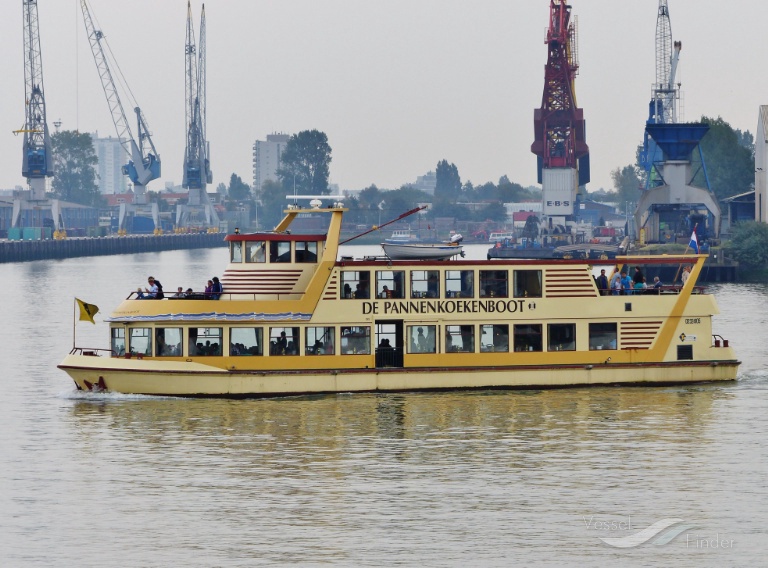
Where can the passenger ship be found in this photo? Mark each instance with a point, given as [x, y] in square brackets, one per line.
[296, 318]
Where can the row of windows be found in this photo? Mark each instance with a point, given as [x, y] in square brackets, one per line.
[354, 340]
[279, 251]
[427, 284]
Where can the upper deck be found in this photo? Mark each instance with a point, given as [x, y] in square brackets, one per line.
[294, 275]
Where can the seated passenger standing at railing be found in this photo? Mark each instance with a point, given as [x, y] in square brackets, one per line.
[217, 289]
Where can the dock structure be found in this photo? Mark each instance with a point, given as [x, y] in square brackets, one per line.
[21, 251]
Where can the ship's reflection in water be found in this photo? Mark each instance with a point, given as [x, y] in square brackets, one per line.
[366, 479]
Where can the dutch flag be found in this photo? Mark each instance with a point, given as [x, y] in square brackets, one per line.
[694, 244]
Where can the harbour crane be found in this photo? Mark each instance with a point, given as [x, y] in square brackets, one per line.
[37, 157]
[559, 127]
[671, 203]
[197, 166]
[665, 94]
[144, 162]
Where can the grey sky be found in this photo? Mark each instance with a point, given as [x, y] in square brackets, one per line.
[396, 85]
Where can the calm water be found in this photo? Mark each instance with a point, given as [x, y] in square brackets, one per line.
[531, 478]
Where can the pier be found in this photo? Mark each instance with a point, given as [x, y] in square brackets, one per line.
[21, 251]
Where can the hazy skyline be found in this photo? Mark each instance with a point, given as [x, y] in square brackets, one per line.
[396, 86]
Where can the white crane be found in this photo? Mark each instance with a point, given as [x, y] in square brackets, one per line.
[665, 93]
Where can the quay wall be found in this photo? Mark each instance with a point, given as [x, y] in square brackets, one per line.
[20, 251]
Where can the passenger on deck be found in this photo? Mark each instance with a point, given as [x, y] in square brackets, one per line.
[657, 285]
[179, 293]
[217, 288]
[149, 293]
[626, 283]
[686, 274]
[209, 290]
[638, 277]
[616, 283]
[602, 283]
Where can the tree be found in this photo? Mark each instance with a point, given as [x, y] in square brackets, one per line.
[749, 244]
[491, 212]
[399, 201]
[510, 192]
[447, 180]
[730, 159]
[238, 190]
[272, 204]
[370, 197]
[304, 163]
[468, 192]
[626, 184]
[75, 168]
[447, 208]
[487, 192]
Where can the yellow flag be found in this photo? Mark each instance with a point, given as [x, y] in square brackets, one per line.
[87, 311]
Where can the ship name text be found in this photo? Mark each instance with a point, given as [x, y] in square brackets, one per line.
[389, 307]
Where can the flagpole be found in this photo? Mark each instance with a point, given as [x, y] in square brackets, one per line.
[74, 323]
[686, 252]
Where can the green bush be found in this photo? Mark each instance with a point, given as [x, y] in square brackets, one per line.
[749, 244]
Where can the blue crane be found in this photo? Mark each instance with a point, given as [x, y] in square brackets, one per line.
[144, 162]
[37, 157]
[37, 161]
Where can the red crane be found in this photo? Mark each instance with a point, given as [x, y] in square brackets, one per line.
[560, 138]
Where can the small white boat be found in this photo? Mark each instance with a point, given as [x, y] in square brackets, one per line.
[403, 236]
[501, 236]
[422, 251]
